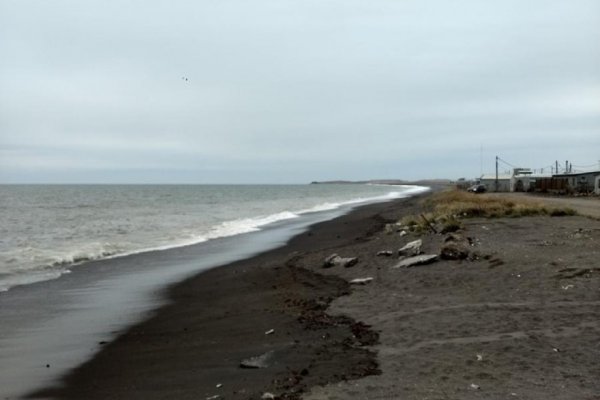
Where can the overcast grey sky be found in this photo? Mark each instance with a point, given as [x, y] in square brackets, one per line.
[293, 91]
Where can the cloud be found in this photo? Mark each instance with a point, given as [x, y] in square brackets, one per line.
[287, 90]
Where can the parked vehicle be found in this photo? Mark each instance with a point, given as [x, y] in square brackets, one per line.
[477, 189]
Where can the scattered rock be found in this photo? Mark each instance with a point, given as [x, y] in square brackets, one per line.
[454, 237]
[335, 260]
[416, 260]
[403, 233]
[454, 251]
[267, 395]
[479, 357]
[411, 249]
[475, 387]
[455, 247]
[361, 281]
[385, 253]
[261, 361]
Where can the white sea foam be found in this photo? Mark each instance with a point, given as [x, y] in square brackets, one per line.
[247, 225]
[28, 262]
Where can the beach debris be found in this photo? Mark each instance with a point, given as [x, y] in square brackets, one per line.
[219, 385]
[475, 386]
[479, 357]
[556, 349]
[390, 228]
[411, 249]
[394, 227]
[495, 262]
[429, 224]
[361, 281]
[570, 273]
[261, 361]
[416, 260]
[267, 395]
[385, 253]
[335, 260]
[215, 397]
[455, 247]
[403, 233]
[567, 287]
[270, 332]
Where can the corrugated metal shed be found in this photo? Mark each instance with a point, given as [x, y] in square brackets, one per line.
[489, 180]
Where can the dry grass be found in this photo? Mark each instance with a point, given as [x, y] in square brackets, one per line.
[447, 208]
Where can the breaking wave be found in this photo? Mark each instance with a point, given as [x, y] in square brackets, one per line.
[51, 264]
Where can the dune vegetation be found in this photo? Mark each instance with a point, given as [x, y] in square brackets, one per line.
[446, 209]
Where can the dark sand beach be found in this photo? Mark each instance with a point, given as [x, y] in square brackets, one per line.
[519, 319]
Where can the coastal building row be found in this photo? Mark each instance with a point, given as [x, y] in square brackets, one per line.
[524, 180]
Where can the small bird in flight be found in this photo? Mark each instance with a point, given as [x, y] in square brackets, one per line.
[184, 79]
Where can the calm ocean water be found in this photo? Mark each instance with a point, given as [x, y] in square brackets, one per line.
[46, 229]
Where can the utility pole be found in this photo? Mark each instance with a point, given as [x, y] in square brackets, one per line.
[480, 159]
[496, 173]
[567, 167]
[556, 168]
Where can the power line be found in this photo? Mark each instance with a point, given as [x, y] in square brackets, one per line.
[586, 166]
[506, 162]
[555, 169]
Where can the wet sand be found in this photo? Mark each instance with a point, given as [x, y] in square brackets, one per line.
[519, 319]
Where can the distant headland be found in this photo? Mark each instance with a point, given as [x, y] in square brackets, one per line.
[424, 182]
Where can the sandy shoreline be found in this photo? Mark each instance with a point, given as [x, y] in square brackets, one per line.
[502, 326]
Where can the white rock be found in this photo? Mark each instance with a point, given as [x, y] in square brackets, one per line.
[411, 249]
[416, 260]
[335, 260]
[567, 287]
[361, 281]
[261, 361]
